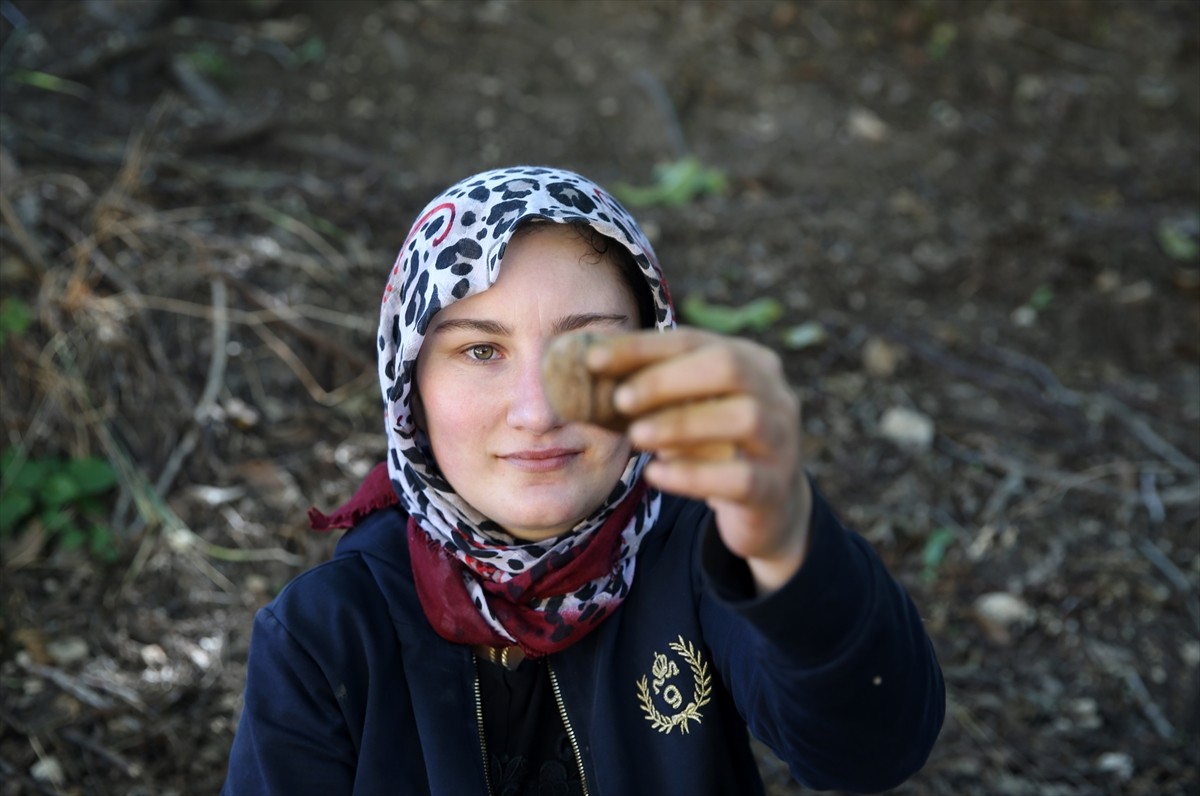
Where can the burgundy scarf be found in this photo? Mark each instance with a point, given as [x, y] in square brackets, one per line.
[441, 584]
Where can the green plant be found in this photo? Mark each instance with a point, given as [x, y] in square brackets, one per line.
[48, 82]
[1179, 236]
[941, 39]
[757, 316]
[1042, 297]
[935, 550]
[14, 318]
[212, 63]
[64, 495]
[311, 51]
[675, 184]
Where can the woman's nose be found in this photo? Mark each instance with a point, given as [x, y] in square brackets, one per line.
[528, 408]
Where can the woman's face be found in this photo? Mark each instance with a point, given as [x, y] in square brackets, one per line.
[482, 403]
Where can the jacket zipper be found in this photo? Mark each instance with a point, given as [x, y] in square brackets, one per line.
[562, 710]
[479, 720]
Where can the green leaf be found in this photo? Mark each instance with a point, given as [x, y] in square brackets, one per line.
[33, 473]
[72, 538]
[14, 317]
[758, 315]
[49, 82]
[103, 544]
[941, 38]
[15, 505]
[30, 474]
[89, 506]
[58, 489]
[1042, 297]
[1177, 237]
[676, 184]
[313, 49]
[933, 553]
[210, 61]
[55, 520]
[93, 476]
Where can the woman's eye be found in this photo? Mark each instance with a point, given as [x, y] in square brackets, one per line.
[482, 352]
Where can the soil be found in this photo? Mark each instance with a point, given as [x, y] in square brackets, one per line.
[987, 212]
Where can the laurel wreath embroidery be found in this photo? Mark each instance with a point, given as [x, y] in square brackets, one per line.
[663, 669]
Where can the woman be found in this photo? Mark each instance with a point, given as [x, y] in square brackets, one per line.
[525, 605]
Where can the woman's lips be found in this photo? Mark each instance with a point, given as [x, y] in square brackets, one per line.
[543, 460]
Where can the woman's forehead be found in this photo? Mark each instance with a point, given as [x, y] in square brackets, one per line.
[549, 272]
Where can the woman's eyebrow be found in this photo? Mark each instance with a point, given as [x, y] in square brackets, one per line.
[494, 328]
[581, 320]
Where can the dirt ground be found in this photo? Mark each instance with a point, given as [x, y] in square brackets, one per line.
[988, 213]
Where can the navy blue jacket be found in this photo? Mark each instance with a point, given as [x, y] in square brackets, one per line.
[350, 690]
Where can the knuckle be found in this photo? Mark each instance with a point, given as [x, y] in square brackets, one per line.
[749, 418]
[743, 484]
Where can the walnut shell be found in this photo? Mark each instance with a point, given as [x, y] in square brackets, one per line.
[575, 393]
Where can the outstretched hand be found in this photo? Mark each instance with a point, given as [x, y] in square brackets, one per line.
[724, 426]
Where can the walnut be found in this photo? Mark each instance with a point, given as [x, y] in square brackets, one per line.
[575, 393]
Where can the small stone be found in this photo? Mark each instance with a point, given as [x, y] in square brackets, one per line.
[806, 335]
[65, 651]
[1085, 712]
[47, 769]
[256, 584]
[907, 428]
[1000, 614]
[154, 655]
[1024, 316]
[865, 125]
[881, 358]
[1119, 764]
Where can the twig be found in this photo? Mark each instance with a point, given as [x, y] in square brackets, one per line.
[131, 770]
[127, 299]
[301, 230]
[203, 413]
[1150, 498]
[1014, 481]
[123, 693]
[283, 314]
[280, 312]
[297, 366]
[1063, 480]
[29, 247]
[941, 358]
[821, 30]
[1060, 398]
[988, 740]
[1117, 662]
[1141, 429]
[196, 86]
[72, 685]
[1069, 51]
[151, 505]
[654, 88]
[1039, 371]
[1164, 565]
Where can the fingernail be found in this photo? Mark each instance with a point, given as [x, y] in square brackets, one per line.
[623, 397]
[642, 432]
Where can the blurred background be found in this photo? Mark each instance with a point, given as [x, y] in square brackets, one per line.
[971, 228]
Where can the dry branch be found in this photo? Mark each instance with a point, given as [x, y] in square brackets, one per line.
[67, 682]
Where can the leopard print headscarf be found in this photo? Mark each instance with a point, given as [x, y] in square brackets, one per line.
[455, 250]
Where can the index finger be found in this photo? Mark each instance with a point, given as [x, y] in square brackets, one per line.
[621, 354]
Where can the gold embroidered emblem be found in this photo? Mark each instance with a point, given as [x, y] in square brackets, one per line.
[663, 670]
